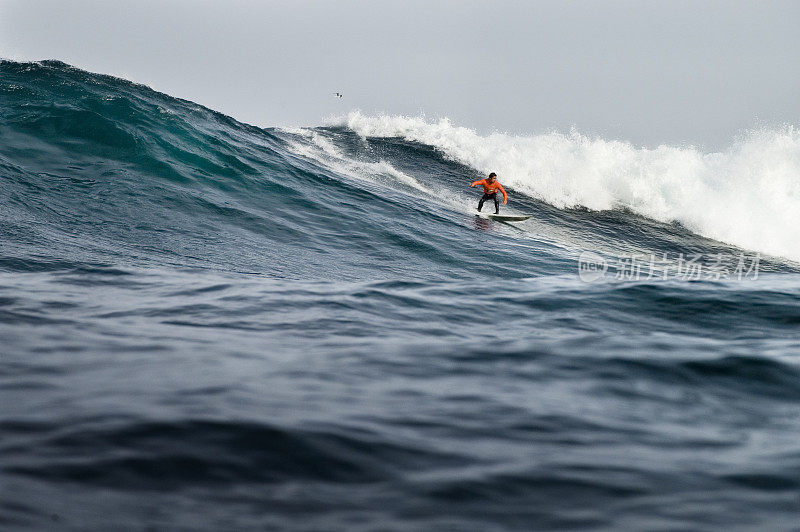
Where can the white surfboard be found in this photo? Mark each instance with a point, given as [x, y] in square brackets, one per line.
[504, 217]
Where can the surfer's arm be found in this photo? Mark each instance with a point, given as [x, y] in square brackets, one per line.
[505, 196]
[478, 182]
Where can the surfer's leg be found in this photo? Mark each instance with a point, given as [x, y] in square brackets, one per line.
[480, 203]
[496, 203]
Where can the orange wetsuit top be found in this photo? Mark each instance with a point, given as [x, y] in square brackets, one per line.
[491, 188]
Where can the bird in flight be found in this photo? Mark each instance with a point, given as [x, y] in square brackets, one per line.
[337, 94]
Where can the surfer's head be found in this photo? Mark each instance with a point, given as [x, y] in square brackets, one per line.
[492, 176]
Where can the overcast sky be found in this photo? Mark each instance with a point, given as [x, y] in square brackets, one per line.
[649, 72]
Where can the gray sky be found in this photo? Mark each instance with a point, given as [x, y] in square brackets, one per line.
[649, 72]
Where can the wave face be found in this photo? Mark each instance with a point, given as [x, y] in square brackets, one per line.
[209, 325]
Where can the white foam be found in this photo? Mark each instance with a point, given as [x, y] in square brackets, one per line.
[747, 195]
[322, 150]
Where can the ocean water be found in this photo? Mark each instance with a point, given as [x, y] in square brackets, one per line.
[206, 325]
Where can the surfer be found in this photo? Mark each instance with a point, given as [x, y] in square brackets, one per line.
[490, 188]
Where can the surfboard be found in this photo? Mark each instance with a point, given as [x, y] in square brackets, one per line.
[504, 217]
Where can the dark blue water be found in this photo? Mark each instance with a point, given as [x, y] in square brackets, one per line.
[210, 326]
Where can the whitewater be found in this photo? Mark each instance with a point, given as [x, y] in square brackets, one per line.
[210, 325]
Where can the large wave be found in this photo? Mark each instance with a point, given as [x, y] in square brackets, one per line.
[98, 170]
[747, 195]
